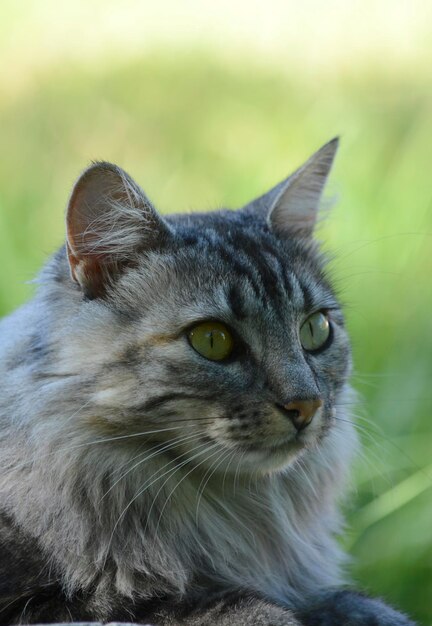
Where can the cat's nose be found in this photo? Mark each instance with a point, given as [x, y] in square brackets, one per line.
[301, 412]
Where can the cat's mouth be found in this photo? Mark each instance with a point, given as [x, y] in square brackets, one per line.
[269, 442]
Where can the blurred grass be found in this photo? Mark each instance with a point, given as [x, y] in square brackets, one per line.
[199, 132]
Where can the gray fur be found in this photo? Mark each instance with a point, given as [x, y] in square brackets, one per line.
[123, 450]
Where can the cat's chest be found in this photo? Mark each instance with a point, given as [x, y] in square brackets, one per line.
[246, 540]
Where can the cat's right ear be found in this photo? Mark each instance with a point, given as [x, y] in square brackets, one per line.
[109, 221]
[291, 208]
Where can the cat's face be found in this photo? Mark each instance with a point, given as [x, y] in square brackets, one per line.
[229, 345]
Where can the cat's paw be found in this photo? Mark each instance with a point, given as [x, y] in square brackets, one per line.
[348, 608]
[232, 611]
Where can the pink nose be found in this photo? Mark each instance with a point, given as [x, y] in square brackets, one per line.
[301, 412]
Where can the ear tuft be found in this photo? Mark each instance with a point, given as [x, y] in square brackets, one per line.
[109, 220]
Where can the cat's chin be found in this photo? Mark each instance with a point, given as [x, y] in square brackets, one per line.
[271, 459]
[263, 459]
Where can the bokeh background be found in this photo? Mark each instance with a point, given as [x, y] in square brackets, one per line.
[211, 103]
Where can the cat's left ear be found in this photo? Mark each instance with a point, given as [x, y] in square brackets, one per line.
[109, 222]
[292, 206]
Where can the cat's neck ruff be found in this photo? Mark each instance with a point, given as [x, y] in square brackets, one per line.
[273, 534]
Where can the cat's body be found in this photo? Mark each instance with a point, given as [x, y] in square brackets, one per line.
[142, 481]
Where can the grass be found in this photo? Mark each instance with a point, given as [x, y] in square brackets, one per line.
[197, 132]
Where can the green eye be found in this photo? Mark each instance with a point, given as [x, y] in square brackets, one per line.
[211, 340]
[314, 332]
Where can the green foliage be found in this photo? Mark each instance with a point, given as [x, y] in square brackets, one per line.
[199, 133]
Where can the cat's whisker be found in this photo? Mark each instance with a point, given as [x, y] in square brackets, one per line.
[299, 467]
[360, 427]
[154, 478]
[376, 465]
[165, 446]
[374, 425]
[194, 468]
[191, 421]
[377, 431]
[369, 422]
[233, 454]
[77, 412]
[142, 450]
[237, 519]
[238, 470]
[171, 473]
[206, 478]
[363, 431]
[90, 443]
[253, 475]
[385, 440]
[338, 257]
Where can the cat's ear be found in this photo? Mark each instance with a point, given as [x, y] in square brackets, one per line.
[292, 206]
[109, 221]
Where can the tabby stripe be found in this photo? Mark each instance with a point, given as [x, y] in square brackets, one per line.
[269, 277]
[282, 271]
[158, 401]
[235, 301]
[308, 297]
[229, 254]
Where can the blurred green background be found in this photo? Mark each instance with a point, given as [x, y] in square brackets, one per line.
[209, 104]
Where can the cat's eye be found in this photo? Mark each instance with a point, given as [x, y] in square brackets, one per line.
[315, 332]
[212, 340]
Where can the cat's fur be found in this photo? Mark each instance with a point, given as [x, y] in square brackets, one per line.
[127, 490]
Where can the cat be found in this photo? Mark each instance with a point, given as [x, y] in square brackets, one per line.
[175, 431]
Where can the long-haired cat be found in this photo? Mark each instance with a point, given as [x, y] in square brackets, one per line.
[174, 429]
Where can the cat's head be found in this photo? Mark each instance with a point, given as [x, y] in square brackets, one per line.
[216, 333]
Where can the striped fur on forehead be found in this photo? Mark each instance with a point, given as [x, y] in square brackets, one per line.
[270, 263]
[204, 261]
